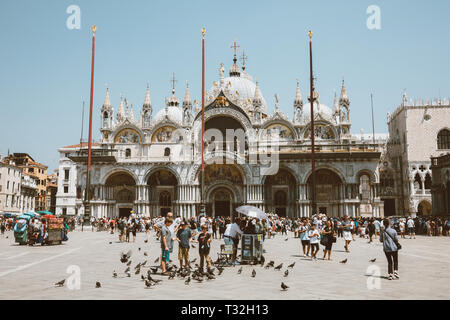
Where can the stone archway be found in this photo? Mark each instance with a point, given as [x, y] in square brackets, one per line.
[121, 188]
[221, 201]
[224, 185]
[328, 190]
[424, 208]
[163, 195]
[280, 193]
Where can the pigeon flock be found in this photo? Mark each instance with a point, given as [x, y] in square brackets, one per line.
[187, 274]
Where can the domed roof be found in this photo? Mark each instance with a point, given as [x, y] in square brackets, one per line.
[322, 109]
[174, 114]
[245, 88]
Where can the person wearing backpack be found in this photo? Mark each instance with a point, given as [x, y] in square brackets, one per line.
[389, 238]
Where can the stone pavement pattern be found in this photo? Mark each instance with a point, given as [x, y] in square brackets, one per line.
[30, 272]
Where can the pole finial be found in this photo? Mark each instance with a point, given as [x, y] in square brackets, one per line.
[310, 34]
[94, 29]
[203, 32]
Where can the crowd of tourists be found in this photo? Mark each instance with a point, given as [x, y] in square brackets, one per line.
[312, 232]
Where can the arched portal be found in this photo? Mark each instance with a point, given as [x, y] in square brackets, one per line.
[424, 208]
[122, 188]
[328, 190]
[162, 192]
[280, 193]
[221, 201]
[224, 184]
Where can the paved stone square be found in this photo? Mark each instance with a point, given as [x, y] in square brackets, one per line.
[30, 272]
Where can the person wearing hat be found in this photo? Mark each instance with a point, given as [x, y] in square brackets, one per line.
[184, 236]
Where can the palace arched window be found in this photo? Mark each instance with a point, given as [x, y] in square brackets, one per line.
[428, 182]
[417, 182]
[443, 139]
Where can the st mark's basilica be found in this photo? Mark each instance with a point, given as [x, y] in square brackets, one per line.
[152, 165]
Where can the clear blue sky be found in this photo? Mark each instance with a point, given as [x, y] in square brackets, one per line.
[45, 67]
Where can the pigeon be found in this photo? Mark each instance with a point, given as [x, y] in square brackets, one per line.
[253, 273]
[145, 241]
[127, 270]
[145, 254]
[193, 246]
[199, 279]
[114, 274]
[156, 261]
[210, 277]
[110, 242]
[283, 286]
[240, 270]
[129, 263]
[139, 248]
[128, 274]
[343, 261]
[220, 271]
[154, 270]
[172, 276]
[286, 239]
[286, 273]
[187, 281]
[154, 280]
[60, 283]
[125, 256]
[291, 265]
[144, 263]
[193, 260]
[138, 271]
[373, 260]
[148, 284]
[142, 277]
[138, 266]
[279, 266]
[262, 260]
[98, 285]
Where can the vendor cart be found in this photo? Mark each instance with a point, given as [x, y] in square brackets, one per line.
[55, 231]
[252, 248]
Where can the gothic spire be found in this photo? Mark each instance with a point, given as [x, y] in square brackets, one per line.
[107, 102]
[344, 97]
[147, 101]
[335, 104]
[131, 114]
[298, 96]
[187, 96]
[257, 98]
[121, 112]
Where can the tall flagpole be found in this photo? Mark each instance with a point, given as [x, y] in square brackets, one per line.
[202, 205]
[87, 205]
[311, 102]
[373, 123]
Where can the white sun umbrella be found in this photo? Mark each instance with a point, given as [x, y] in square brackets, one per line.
[252, 212]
